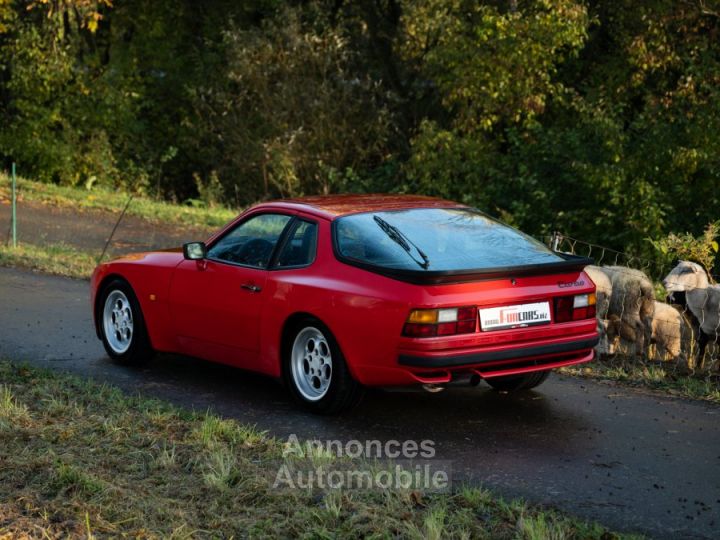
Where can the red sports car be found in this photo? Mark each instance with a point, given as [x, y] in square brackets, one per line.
[332, 294]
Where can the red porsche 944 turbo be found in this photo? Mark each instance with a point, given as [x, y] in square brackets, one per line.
[332, 294]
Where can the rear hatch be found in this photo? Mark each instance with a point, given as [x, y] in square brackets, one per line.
[484, 284]
[444, 245]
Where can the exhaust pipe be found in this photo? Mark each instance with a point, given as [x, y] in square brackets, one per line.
[433, 388]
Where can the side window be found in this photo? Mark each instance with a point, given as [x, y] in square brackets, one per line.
[299, 250]
[252, 242]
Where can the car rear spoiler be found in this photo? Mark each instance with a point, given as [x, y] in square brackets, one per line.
[568, 264]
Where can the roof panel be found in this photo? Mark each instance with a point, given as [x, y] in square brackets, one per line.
[340, 205]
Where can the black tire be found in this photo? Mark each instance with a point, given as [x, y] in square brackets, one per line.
[138, 351]
[343, 392]
[516, 383]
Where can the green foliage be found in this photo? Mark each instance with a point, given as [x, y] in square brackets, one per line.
[446, 164]
[291, 111]
[702, 249]
[621, 148]
[598, 119]
[493, 66]
[7, 15]
[210, 191]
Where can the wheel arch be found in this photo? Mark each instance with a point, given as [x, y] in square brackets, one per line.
[291, 323]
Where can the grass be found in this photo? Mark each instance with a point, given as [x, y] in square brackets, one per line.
[58, 259]
[663, 377]
[114, 201]
[83, 459]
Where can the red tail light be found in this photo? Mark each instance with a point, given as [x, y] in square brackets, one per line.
[420, 330]
[441, 322]
[466, 320]
[563, 309]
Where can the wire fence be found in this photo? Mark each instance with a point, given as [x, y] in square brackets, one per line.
[674, 319]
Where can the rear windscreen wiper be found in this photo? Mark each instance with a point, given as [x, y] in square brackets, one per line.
[403, 241]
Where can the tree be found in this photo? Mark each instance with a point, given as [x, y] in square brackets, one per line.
[291, 112]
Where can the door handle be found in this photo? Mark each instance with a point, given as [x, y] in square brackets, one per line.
[251, 287]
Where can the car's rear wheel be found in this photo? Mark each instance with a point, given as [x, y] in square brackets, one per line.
[515, 383]
[122, 326]
[315, 370]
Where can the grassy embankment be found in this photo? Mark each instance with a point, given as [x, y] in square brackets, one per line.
[82, 459]
[58, 259]
[66, 260]
[114, 201]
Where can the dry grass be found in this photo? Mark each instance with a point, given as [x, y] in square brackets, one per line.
[78, 459]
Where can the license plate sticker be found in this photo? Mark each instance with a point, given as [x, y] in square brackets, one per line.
[518, 316]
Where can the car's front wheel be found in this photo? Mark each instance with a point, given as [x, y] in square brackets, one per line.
[316, 372]
[515, 383]
[122, 327]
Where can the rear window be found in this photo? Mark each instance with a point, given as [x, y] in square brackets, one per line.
[436, 240]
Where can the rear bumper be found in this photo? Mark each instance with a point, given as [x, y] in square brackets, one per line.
[486, 357]
[440, 366]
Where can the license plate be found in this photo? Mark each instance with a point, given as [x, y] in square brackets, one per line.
[517, 316]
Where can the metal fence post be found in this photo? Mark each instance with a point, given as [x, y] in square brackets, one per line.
[14, 207]
[555, 243]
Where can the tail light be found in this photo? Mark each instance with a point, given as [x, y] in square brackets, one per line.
[441, 322]
[574, 308]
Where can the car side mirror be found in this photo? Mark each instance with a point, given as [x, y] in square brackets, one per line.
[195, 251]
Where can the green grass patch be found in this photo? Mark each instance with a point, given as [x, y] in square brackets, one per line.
[83, 459]
[114, 201]
[58, 259]
[663, 377]
[70, 478]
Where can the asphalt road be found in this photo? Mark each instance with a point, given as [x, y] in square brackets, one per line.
[634, 461]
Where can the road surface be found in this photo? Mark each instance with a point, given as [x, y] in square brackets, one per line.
[634, 461]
